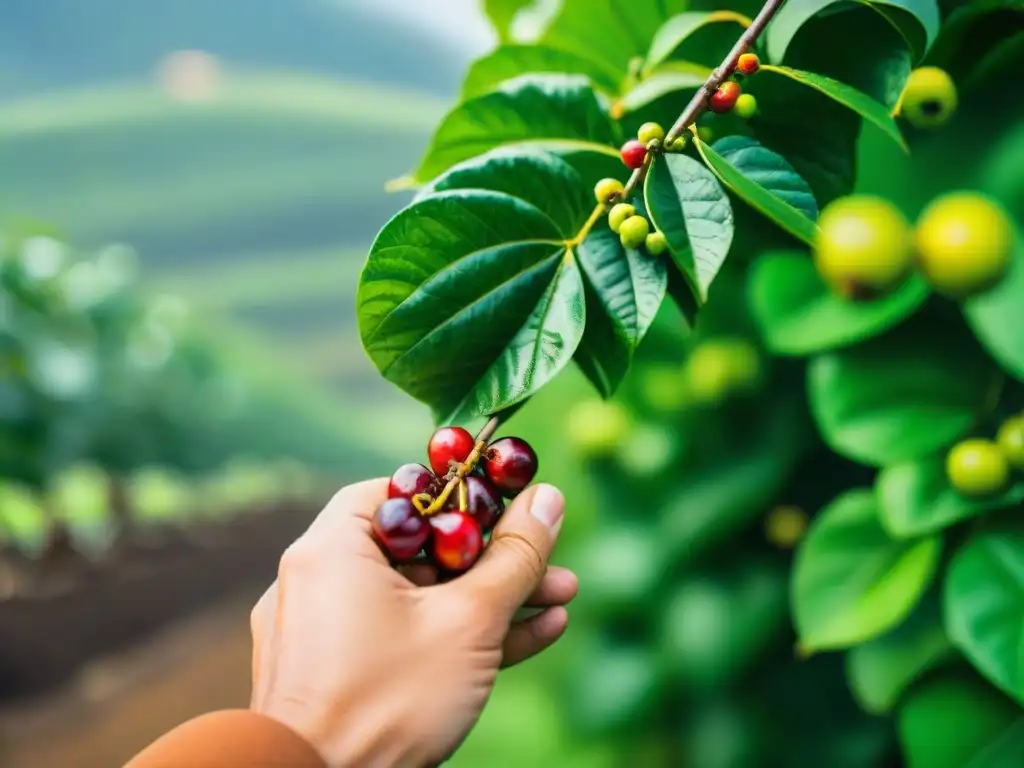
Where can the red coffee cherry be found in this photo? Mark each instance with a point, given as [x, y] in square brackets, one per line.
[485, 504]
[510, 463]
[449, 444]
[400, 529]
[410, 480]
[633, 153]
[725, 97]
[457, 540]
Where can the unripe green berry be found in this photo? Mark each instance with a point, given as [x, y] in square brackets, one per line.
[633, 231]
[977, 467]
[706, 135]
[650, 131]
[1011, 441]
[606, 189]
[929, 98]
[678, 145]
[656, 243]
[746, 106]
[618, 214]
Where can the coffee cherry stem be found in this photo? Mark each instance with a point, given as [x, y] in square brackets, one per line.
[463, 495]
[455, 477]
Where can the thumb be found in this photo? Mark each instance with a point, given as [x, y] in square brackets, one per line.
[516, 558]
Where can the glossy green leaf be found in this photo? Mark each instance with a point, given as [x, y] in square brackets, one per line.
[917, 20]
[609, 31]
[549, 111]
[915, 498]
[997, 317]
[625, 289]
[456, 259]
[799, 315]
[880, 670]
[502, 13]
[675, 32]
[511, 61]
[984, 603]
[851, 582]
[765, 181]
[955, 720]
[525, 173]
[902, 395]
[688, 204]
[850, 97]
[663, 81]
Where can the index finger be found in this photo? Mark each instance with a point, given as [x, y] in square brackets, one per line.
[347, 517]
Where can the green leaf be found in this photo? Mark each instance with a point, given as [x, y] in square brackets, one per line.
[997, 316]
[502, 13]
[457, 259]
[902, 395]
[665, 80]
[881, 670]
[550, 111]
[957, 721]
[851, 582]
[525, 173]
[686, 202]
[677, 30]
[624, 290]
[984, 603]
[510, 61]
[916, 498]
[799, 315]
[871, 110]
[917, 20]
[766, 181]
[609, 31]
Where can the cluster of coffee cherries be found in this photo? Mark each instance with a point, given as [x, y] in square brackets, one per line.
[441, 514]
[729, 96]
[634, 230]
[978, 467]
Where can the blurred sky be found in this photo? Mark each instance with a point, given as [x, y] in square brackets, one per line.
[459, 21]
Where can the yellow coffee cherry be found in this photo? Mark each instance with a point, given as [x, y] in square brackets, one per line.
[1011, 441]
[633, 231]
[964, 244]
[929, 98]
[864, 246]
[976, 467]
[649, 132]
[656, 244]
[785, 526]
[618, 214]
[606, 189]
[746, 106]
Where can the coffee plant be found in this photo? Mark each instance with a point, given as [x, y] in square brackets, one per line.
[832, 341]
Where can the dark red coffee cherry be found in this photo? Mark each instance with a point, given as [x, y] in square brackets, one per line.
[633, 153]
[485, 502]
[400, 529]
[457, 540]
[510, 463]
[449, 444]
[410, 480]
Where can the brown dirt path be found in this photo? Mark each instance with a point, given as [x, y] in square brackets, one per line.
[117, 705]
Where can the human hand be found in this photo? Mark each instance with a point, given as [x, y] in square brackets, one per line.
[378, 667]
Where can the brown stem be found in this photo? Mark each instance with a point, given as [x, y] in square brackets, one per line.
[699, 103]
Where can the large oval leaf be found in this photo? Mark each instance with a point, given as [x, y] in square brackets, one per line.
[984, 606]
[998, 316]
[507, 62]
[955, 720]
[851, 582]
[677, 30]
[915, 498]
[902, 395]
[799, 315]
[624, 290]
[917, 21]
[550, 111]
[764, 180]
[686, 202]
[871, 110]
[880, 670]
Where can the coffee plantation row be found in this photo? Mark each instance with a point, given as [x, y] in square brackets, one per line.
[811, 550]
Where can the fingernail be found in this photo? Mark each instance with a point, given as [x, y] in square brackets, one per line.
[547, 505]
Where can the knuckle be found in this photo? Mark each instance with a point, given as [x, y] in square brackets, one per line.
[523, 550]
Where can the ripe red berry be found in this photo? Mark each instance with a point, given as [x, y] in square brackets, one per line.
[725, 97]
[510, 463]
[485, 504]
[409, 480]
[457, 540]
[400, 529]
[633, 153]
[748, 64]
[449, 444]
